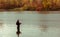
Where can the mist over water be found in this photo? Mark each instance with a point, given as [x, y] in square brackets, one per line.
[33, 24]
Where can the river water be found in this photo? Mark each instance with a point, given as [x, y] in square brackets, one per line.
[33, 24]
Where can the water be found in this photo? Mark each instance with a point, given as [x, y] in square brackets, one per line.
[33, 24]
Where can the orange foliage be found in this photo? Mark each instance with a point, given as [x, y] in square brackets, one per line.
[25, 4]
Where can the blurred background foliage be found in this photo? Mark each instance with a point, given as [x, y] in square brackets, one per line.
[30, 5]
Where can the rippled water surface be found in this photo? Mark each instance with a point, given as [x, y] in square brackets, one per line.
[33, 24]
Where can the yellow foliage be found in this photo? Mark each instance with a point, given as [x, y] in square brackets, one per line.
[31, 1]
[44, 2]
[58, 2]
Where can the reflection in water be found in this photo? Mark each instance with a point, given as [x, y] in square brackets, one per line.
[1, 23]
[43, 27]
[18, 28]
[32, 25]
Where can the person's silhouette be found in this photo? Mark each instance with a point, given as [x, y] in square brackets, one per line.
[18, 27]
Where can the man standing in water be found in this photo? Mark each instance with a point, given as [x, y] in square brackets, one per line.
[18, 27]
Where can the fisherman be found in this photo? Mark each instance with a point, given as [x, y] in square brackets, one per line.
[18, 27]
